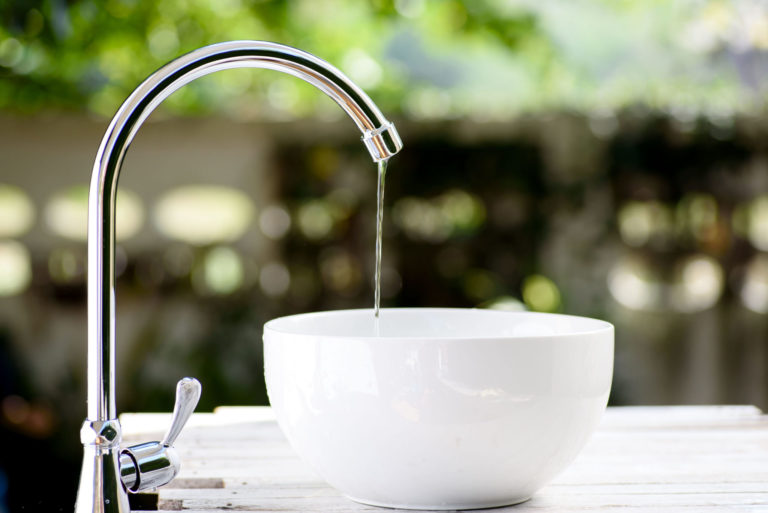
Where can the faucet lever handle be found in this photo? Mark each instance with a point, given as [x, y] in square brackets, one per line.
[152, 464]
[187, 395]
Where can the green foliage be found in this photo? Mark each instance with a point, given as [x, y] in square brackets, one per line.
[89, 54]
[424, 58]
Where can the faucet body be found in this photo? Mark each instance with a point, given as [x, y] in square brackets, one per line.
[102, 489]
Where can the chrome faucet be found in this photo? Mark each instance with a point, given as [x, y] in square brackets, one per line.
[109, 474]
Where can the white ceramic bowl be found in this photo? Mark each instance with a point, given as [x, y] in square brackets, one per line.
[438, 408]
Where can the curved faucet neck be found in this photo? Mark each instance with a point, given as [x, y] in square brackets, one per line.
[379, 136]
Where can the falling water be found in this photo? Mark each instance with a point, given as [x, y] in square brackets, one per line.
[379, 223]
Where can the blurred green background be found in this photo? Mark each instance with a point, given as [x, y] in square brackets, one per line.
[596, 158]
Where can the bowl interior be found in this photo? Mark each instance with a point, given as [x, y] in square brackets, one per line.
[435, 323]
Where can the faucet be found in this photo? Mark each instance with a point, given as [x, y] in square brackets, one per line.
[109, 473]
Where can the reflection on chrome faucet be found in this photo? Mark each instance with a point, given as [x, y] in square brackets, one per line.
[107, 473]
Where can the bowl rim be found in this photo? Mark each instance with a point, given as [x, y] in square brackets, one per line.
[602, 326]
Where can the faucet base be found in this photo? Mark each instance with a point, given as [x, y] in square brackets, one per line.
[101, 489]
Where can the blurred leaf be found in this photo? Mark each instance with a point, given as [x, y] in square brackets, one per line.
[487, 58]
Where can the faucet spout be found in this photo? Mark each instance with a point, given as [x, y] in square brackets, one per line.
[102, 429]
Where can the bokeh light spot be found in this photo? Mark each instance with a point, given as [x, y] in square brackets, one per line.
[275, 221]
[11, 52]
[17, 213]
[315, 219]
[163, 41]
[453, 213]
[362, 68]
[754, 289]
[633, 286]
[15, 268]
[505, 303]
[541, 294]
[204, 214]
[699, 284]
[758, 223]
[66, 213]
[221, 272]
[274, 279]
[635, 224]
[410, 8]
[641, 221]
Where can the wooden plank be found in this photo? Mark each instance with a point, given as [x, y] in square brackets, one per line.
[633, 417]
[658, 459]
[526, 507]
[629, 491]
[690, 417]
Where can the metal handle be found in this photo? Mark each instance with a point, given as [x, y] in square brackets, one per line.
[152, 464]
[187, 394]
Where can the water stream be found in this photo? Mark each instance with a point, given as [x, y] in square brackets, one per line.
[379, 223]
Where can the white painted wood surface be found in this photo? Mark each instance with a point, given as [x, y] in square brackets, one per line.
[655, 459]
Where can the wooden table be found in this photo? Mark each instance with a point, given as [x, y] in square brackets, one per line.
[650, 459]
